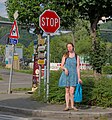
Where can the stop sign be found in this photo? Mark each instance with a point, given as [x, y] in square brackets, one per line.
[49, 21]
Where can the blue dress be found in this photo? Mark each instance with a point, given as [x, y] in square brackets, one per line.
[72, 78]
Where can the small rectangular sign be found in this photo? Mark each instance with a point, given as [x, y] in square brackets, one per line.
[13, 41]
[41, 62]
[42, 55]
[41, 41]
[16, 57]
[41, 48]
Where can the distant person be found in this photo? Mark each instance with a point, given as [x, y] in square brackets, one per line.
[70, 76]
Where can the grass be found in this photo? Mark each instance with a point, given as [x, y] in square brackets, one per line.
[103, 118]
[86, 73]
[21, 89]
[1, 78]
[29, 71]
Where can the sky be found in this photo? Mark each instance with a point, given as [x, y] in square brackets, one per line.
[3, 11]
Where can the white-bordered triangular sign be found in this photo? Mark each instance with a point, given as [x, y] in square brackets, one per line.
[14, 31]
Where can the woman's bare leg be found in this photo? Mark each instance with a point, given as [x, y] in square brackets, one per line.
[72, 98]
[67, 96]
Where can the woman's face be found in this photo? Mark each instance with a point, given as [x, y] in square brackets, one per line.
[70, 47]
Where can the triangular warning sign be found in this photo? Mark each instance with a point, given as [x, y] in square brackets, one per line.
[14, 31]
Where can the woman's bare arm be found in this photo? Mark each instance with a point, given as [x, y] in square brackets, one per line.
[62, 65]
[78, 69]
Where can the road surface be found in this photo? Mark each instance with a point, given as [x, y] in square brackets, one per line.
[19, 80]
[10, 117]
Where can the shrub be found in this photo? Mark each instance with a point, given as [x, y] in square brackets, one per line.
[56, 94]
[95, 92]
[87, 86]
[102, 93]
[107, 69]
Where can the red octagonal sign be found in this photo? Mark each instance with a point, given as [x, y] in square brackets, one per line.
[49, 21]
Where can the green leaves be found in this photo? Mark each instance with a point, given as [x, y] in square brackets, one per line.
[102, 93]
[58, 47]
[98, 56]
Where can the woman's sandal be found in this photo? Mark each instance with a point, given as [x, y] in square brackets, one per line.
[74, 108]
[66, 109]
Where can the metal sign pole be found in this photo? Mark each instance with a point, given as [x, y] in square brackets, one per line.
[13, 48]
[11, 70]
[48, 64]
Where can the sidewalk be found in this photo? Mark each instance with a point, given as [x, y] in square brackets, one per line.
[21, 103]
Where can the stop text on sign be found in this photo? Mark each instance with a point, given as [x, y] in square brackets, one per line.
[49, 21]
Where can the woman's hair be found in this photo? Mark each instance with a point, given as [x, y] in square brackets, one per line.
[66, 55]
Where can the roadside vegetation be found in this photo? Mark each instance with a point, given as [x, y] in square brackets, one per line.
[21, 89]
[1, 77]
[96, 92]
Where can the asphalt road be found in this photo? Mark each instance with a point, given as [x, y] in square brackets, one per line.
[10, 117]
[19, 80]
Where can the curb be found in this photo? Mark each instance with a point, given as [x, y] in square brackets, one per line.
[56, 114]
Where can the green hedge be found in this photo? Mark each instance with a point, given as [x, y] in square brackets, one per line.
[102, 93]
[95, 92]
[107, 69]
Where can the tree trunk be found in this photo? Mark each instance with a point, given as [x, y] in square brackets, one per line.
[73, 38]
[93, 29]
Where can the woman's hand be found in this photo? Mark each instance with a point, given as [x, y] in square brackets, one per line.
[80, 81]
[66, 71]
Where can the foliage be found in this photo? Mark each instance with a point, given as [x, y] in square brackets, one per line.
[88, 86]
[105, 30]
[3, 19]
[20, 89]
[4, 31]
[2, 50]
[28, 51]
[58, 47]
[98, 8]
[1, 78]
[107, 69]
[56, 94]
[81, 46]
[25, 37]
[2, 53]
[29, 11]
[97, 56]
[82, 37]
[102, 93]
[95, 92]
[28, 71]
[109, 53]
[70, 12]
[54, 78]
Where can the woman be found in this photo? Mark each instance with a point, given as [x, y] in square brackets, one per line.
[70, 76]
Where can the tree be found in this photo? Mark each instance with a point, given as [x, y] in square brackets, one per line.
[28, 51]
[98, 57]
[91, 10]
[29, 11]
[2, 52]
